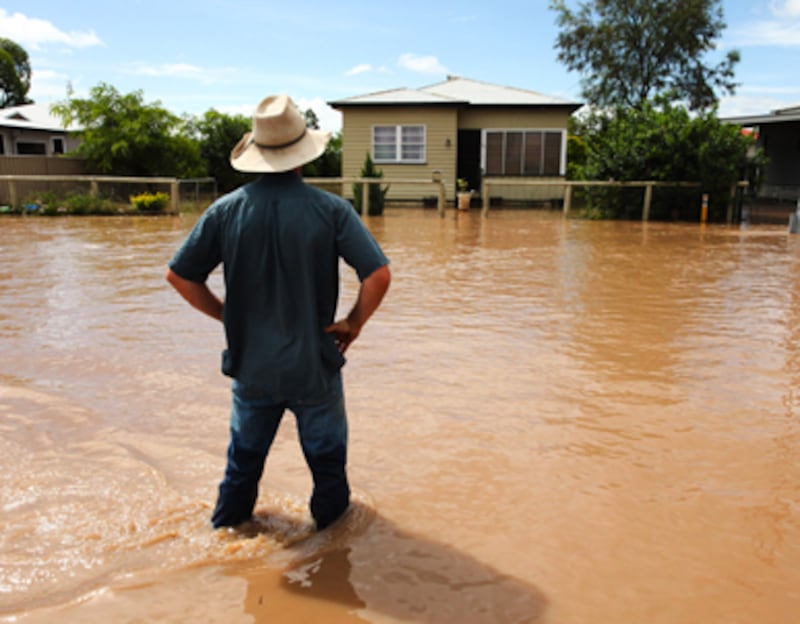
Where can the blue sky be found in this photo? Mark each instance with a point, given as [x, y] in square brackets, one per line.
[227, 55]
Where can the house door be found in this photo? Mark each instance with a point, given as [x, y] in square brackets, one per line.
[469, 158]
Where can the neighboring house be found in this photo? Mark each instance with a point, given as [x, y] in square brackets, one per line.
[778, 135]
[30, 130]
[459, 128]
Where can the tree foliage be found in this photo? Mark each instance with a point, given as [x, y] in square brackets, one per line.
[15, 74]
[122, 135]
[329, 165]
[662, 142]
[217, 134]
[630, 51]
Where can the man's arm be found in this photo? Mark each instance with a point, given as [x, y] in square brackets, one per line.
[370, 295]
[197, 294]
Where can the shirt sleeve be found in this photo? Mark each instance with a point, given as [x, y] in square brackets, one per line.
[356, 245]
[201, 252]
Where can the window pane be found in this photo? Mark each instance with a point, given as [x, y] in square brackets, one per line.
[494, 153]
[413, 134]
[552, 153]
[533, 153]
[513, 153]
[413, 152]
[413, 143]
[384, 143]
[385, 152]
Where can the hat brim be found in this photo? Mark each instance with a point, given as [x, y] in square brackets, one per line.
[249, 157]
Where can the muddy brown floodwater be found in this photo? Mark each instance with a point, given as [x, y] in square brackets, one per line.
[551, 421]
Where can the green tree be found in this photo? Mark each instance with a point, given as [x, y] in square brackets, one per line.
[15, 74]
[630, 51]
[662, 142]
[329, 165]
[122, 135]
[312, 121]
[217, 134]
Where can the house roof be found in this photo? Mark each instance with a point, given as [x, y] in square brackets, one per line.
[780, 115]
[457, 91]
[398, 96]
[31, 117]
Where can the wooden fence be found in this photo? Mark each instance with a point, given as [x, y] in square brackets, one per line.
[15, 184]
[569, 185]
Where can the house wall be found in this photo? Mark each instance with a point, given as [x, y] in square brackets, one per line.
[13, 135]
[440, 126]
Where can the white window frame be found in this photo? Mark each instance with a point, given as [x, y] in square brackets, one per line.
[53, 145]
[562, 165]
[398, 145]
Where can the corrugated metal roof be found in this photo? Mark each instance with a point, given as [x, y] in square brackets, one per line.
[484, 93]
[457, 91]
[32, 117]
[780, 115]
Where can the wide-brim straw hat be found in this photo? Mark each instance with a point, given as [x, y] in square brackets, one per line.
[279, 141]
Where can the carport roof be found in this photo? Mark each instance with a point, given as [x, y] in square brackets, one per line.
[780, 115]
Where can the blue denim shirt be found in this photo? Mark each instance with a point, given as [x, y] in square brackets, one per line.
[279, 241]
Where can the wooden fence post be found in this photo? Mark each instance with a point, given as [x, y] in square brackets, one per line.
[485, 190]
[440, 201]
[648, 198]
[567, 198]
[365, 199]
[175, 196]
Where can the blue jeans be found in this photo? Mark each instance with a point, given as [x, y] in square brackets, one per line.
[322, 428]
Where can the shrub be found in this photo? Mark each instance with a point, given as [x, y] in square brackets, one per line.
[150, 202]
[83, 204]
[377, 194]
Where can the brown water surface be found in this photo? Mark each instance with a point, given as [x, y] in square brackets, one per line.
[551, 421]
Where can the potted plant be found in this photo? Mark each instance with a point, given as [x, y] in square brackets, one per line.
[464, 195]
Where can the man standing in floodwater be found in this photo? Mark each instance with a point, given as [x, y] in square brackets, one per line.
[279, 241]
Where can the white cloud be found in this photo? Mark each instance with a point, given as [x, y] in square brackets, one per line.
[48, 85]
[421, 64]
[786, 8]
[33, 33]
[771, 33]
[358, 69]
[173, 70]
[184, 71]
[783, 29]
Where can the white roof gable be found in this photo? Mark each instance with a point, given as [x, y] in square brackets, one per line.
[31, 116]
